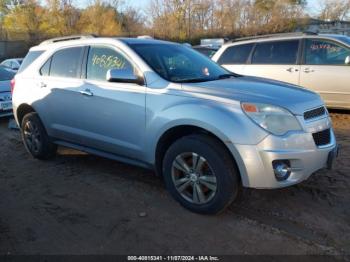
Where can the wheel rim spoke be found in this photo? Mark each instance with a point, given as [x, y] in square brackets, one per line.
[198, 162]
[197, 191]
[181, 181]
[181, 165]
[208, 185]
[184, 186]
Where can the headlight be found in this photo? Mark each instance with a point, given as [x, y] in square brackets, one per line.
[274, 119]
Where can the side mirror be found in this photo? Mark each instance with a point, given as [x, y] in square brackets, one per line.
[123, 76]
[347, 60]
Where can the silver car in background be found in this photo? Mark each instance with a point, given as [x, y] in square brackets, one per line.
[13, 63]
[6, 77]
[164, 106]
[317, 62]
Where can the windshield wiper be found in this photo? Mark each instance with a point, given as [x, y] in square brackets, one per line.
[196, 80]
[224, 76]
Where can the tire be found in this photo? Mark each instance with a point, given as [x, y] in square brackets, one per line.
[35, 138]
[214, 179]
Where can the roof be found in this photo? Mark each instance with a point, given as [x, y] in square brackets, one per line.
[132, 41]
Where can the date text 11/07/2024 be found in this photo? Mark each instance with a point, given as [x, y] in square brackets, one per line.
[173, 258]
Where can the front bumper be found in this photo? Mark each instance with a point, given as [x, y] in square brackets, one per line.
[298, 147]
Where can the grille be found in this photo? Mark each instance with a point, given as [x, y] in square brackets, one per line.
[317, 112]
[322, 138]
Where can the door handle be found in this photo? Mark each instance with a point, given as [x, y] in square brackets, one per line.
[86, 92]
[308, 70]
[292, 69]
[42, 85]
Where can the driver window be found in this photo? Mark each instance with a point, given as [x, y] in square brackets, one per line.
[322, 52]
[101, 59]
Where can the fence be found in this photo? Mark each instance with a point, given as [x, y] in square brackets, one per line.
[11, 49]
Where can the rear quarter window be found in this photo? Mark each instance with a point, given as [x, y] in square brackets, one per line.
[235, 54]
[30, 58]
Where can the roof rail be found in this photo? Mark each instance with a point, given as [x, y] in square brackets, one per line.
[273, 35]
[66, 38]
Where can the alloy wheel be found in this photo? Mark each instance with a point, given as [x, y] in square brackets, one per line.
[193, 178]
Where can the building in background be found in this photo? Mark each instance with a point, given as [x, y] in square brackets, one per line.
[328, 27]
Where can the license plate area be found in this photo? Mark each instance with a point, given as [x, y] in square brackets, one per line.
[5, 106]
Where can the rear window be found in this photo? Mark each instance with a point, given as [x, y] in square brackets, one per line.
[278, 53]
[30, 58]
[67, 62]
[5, 75]
[235, 54]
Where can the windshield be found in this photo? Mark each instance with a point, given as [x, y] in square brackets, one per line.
[180, 64]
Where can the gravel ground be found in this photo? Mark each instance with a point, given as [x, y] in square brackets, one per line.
[83, 204]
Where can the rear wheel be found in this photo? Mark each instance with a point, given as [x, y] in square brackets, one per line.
[35, 138]
[200, 174]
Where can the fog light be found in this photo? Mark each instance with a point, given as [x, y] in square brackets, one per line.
[281, 169]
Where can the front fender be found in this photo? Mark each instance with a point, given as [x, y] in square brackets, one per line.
[226, 121]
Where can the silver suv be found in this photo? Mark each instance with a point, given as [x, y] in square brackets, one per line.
[164, 106]
[317, 62]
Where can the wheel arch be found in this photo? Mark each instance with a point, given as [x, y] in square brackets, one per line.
[21, 111]
[176, 132]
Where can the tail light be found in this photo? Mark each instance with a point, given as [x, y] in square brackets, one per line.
[12, 83]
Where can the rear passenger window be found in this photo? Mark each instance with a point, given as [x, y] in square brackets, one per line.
[235, 55]
[101, 59]
[276, 53]
[67, 62]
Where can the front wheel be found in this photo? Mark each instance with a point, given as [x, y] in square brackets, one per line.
[200, 174]
[35, 138]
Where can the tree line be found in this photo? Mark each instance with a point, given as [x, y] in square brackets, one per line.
[179, 20]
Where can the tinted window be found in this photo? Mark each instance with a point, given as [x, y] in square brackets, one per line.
[280, 53]
[30, 57]
[5, 75]
[45, 69]
[67, 62]
[206, 51]
[101, 59]
[320, 52]
[235, 55]
[178, 63]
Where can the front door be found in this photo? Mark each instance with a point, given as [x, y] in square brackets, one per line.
[114, 113]
[326, 72]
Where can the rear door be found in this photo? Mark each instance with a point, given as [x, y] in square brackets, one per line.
[60, 84]
[234, 58]
[325, 71]
[276, 60]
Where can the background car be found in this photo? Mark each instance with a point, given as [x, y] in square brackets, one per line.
[206, 50]
[6, 76]
[317, 62]
[13, 63]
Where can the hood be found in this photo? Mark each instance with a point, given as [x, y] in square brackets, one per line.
[259, 90]
[5, 86]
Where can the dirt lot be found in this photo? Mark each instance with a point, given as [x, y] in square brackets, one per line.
[82, 204]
